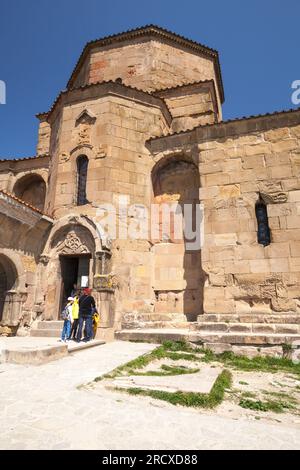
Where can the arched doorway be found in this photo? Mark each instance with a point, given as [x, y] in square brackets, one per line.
[8, 281]
[71, 252]
[179, 278]
[31, 189]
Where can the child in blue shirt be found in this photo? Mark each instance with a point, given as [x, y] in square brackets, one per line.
[68, 320]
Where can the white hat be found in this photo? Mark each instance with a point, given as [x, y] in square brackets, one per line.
[70, 298]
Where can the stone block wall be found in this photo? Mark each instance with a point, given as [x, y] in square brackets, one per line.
[244, 276]
[191, 105]
[111, 131]
[240, 163]
[146, 64]
[44, 132]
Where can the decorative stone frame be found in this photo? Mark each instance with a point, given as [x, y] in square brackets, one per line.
[49, 258]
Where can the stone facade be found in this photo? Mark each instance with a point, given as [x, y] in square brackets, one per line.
[144, 108]
[239, 162]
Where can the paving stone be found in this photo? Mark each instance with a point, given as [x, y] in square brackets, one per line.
[200, 382]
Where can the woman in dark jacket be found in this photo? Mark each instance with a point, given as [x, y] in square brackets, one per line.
[87, 307]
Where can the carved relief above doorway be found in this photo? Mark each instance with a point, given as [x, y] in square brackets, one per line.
[73, 240]
[72, 245]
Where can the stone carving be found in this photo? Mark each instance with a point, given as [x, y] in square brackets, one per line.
[100, 152]
[274, 197]
[105, 281]
[272, 193]
[83, 134]
[85, 117]
[72, 244]
[64, 157]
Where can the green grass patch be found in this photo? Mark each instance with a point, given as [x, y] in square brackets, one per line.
[190, 399]
[174, 350]
[243, 383]
[277, 406]
[181, 350]
[257, 363]
[168, 371]
[177, 356]
[248, 395]
[138, 363]
[281, 395]
[178, 346]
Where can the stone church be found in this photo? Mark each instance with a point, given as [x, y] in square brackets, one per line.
[141, 120]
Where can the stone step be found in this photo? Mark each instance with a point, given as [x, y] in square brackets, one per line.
[160, 335]
[285, 328]
[44, 332]
[250, 318]
[50, 325]
[155, 324]
[152, 335]
[154, 316]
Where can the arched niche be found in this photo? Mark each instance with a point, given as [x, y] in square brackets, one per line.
[179, 278]
[31, 188]
[10, 299]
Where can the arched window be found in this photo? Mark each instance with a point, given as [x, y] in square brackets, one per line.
[263, 229]
[82, 169]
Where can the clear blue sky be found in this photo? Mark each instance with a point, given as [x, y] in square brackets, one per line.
[40, 42]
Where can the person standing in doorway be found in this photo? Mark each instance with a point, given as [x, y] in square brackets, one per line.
[87, 307]
[74, 290]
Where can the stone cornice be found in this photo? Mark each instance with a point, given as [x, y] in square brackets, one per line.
[104, 88]
[22, 159]
[28, 163]
[232, 127]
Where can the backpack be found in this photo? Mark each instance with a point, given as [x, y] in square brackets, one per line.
[65, 313]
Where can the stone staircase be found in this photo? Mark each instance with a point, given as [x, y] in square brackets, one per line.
[258, 330]
[245, 323]
[47, 329]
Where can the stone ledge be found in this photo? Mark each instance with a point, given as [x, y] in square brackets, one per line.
[34, 355]
[24, 352]
[248, 339]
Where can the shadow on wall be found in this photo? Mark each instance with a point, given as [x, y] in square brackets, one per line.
[8, 280]
[31, 189]
[179, 277]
